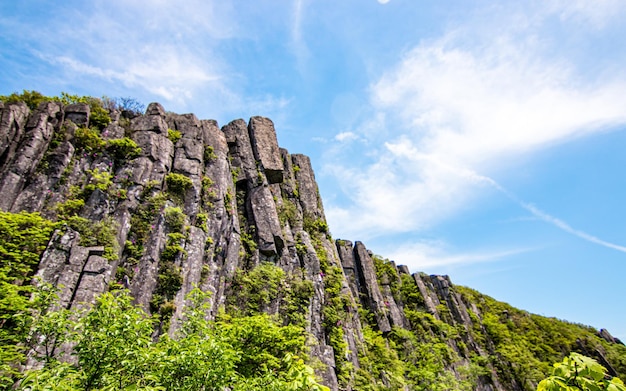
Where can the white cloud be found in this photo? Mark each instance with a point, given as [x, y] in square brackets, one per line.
[162, 50]
[469, 101]
[163, 74]
[424, 255]
[298, 43]
[346, 136]
[596, 12]
[383, 1]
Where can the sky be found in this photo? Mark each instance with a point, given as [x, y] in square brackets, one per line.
[480, 139]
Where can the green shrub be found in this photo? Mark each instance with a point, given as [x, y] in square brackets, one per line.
[313, 225]
[88, 140]
[69, 208]
[174, 135]
[209, 154]
[32, 98]
[98, 116]
[170, 280]
[97, 233]
[23, 238]
[254, 290]
[288, 212]
[101, 180]
[175, 219]
[178, 183]
[123, 149]
[173, 247]
[201, 221]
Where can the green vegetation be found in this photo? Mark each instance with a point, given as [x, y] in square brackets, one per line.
[88, 140]
[115, 349]
[23, 237]
[201, 221]
[254, 290]
[123, 149]
[209, 154]
[208, 194]
[32, 98]
[580, 373]
[267, 286]
[313, 225]
[174, 135]
[97, 233]
[288, 212]
[177, 184]
[175, 219]
[98, 117]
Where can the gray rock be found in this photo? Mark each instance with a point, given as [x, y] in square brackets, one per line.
[22, 164]
[307, 186]
[240, 151]
[373, 298]
[268, 230]
[265, 147]
[152, 123]
[155, 108]
[78, 113]
[12, 123]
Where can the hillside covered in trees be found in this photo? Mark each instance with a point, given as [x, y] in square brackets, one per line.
[153, 250]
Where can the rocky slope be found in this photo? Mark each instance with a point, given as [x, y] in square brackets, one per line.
[161, 203]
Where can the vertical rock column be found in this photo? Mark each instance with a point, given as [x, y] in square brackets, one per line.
[18, 168]
[157, 151]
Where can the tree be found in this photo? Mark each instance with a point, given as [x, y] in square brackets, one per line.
[114, 349]
[580, 373]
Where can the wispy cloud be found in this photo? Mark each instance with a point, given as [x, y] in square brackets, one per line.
[162, 50]
[424, 255]
[477, 97]
[535, 211]
[346, 136]
[569, 229]
[596, 12]
[298, 43]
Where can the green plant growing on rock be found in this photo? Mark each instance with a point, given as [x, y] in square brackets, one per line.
[32, 98]
[174, 135]
[313, 225]
[253, 291]
[97, 233]
[98, 116]
[98, 179]
[173, 247]
[178, 184]
[175, 219]
[69, 208]
[288, 212]
[88, 140]
[123, 149]
[209, 154]
[297, 300]
[208, 193]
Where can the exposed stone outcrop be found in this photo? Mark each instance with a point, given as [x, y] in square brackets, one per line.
[265, 147]
[243, 201]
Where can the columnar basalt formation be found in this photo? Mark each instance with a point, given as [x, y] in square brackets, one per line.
[193, 206]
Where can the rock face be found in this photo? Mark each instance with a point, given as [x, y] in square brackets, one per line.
[197, 204]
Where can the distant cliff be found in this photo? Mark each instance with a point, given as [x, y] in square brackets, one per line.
[160, 203]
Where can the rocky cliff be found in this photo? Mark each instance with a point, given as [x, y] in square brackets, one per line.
[161, 203]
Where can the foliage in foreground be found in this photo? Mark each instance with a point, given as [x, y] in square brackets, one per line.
[114, 349]
[580, 373]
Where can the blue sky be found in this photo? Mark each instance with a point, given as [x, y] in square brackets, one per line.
[478, 139]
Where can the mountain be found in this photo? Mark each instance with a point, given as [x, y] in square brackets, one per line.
[160, 203]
